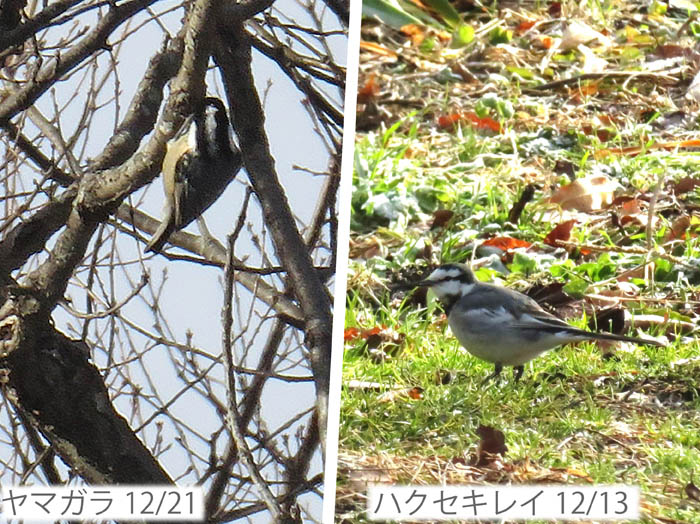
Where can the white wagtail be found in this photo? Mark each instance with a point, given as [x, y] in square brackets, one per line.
[500, 325]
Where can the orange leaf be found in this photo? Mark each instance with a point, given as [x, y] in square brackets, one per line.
[351, 334]
[415, 32]
[377, 49]
[485, 123]
[506, 243]
[448, 121]
[376, 330]
[369, 90]
[416, 393]
[421, 5]
[578, 473]
[444, 37]
[561, 232]
[586, 90]
[525, 25]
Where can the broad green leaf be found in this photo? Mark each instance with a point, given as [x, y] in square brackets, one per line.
[576, 287]
[428, 44]
[463, 35]
[522, 72]
[505, 108]
[523, 264]
[489, 100]
[500, 35]
[391, 12]
[630, 54]
[448, 13]
[481, 110]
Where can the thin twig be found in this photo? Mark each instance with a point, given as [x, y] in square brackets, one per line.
[232, 415]
[629, 250]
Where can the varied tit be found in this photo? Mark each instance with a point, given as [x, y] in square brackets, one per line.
[200, 161]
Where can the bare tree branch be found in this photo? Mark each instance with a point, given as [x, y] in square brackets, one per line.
[126, 380]
[234, 59]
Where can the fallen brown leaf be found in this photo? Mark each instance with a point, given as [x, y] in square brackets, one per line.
[560, 232]
[685, 185]
[493, 442]
[678, 228]
[586, 194]
[635, 150]
[369, 90]
[525, 25]
[692, 491]
[441, 217]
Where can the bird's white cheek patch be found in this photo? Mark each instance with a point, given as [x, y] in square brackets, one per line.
[452, 288]
[192, 137]
[437, 275]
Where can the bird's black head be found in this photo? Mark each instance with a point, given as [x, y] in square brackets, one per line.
[213, 130]
[458, 273]
[450, 272]
[449, 282]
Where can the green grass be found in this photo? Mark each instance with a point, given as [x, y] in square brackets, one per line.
[568, 411]
[632, 418]
[576, 416]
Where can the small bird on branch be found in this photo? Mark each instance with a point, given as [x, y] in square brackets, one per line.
[200, 161]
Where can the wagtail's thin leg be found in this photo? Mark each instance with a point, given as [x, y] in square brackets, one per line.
[518, 372]
[496, 373]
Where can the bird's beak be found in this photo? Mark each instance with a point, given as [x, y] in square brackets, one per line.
[403, 286]
[183, 129]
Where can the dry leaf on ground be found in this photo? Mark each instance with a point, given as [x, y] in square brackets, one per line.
[590, 193]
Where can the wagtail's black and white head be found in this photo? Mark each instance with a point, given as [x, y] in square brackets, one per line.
[500, 325]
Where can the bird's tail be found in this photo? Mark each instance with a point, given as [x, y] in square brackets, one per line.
[160, 237]
[612, 336]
